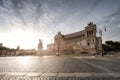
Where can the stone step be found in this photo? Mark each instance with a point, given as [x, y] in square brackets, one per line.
[39, 74]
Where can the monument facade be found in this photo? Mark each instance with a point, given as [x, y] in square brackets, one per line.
[40, 48]
[78, 42]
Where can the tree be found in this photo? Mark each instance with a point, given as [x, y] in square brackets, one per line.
[109, 43]
[117, 46]
[111, 46]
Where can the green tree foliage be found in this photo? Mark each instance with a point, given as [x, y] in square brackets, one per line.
[111, 46]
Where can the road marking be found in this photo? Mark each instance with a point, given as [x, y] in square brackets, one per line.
[3, 73]
[93, 57]
[16, 73]
[97, 66]
[107, 59]
[66, 75]
[37, 74]
[33, 74]
[85, 57]
[49, 74]
[97, 74]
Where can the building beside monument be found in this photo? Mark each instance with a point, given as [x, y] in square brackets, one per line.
[78, 42]
[1, 45]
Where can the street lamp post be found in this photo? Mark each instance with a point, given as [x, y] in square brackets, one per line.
[101, 33]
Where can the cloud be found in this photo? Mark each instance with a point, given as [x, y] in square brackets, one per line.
[112, 22]
[19, 12]
[112, 19]
[47, 17]
[51, 13]
[95, 4]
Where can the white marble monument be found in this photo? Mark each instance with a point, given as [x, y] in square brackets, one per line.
[40, 48]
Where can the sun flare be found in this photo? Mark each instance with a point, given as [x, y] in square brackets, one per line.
[25, 39]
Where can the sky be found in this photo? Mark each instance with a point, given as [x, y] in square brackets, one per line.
[23, 22]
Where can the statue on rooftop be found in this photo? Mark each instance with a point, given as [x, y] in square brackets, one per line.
[90, 23]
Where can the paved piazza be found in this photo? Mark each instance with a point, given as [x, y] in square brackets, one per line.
[59, 67]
